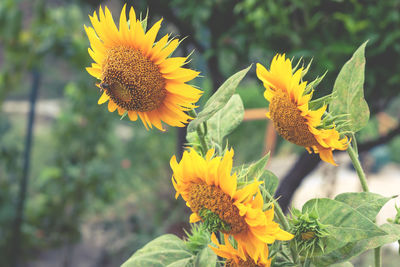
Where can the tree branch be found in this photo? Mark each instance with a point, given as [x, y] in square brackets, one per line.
[306, 163]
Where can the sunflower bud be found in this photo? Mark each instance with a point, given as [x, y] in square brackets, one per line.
[308, 232]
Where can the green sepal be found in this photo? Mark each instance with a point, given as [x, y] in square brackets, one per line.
[143, 22]
[212, 222]
[124, 115]
[311, 86]
[306, 69]
[320, 102]
[197, 239]
[309, 233]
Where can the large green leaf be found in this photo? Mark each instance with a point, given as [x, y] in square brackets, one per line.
[206, 258]
[218, 100]
[345, 224]
[225, 120]
[167, 250]
[367, 203]
[354, 249]
[348, 92]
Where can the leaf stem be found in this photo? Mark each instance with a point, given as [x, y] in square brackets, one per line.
[357, 165]
[200, 133]
[282, 219]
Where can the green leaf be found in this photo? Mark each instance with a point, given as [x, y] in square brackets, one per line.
[366, 203]
[255, 170]
[348, 92]
[206, 258]
[345, 224]
[225, 120]
[167, 250]
[354, 249]
[270, 182]
[218, 100]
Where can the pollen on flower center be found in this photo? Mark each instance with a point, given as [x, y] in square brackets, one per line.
[288, 121]
[203, 196]
[131, 80]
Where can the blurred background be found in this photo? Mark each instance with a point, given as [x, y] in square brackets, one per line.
[80, 187]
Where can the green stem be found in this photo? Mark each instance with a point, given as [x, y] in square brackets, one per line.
[282, 219]
[307, 262]
[361, 175]
[377, 252]
[202, 137]
[357, 165]
[200, 133]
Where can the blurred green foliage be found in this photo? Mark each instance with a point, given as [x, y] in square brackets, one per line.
[86, 162]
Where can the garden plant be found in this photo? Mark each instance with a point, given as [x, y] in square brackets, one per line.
[235, 219]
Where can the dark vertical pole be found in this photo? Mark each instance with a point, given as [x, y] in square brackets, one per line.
[292, 180]
[15, 242]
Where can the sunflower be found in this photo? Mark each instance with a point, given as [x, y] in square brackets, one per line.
[212, 194]
[137, 75]
[235, 258]
[289, 110]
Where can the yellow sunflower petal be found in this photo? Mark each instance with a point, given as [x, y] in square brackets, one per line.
[132, 115]
[166, 51]
[194, 218]
[290, 111]
[182, 75]
[123, 25]
[94, 72]
[104, 97]
[154, 87]
[121, 111]
[151, 36]
[171, 64]
[112, 106]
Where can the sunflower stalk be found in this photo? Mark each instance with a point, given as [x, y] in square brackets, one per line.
[357, 165]
[353, 153]
[201, 133]
[282, 219]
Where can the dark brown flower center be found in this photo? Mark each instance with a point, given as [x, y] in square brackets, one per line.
[131, 80]
[288, 121]
[248, 263]
[203, 196]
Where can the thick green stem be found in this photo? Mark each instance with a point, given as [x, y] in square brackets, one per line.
[377, 252]
[361, 175]
[282, 219]
[357, 165]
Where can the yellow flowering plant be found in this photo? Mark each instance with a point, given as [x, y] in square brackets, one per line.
[235, 219]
